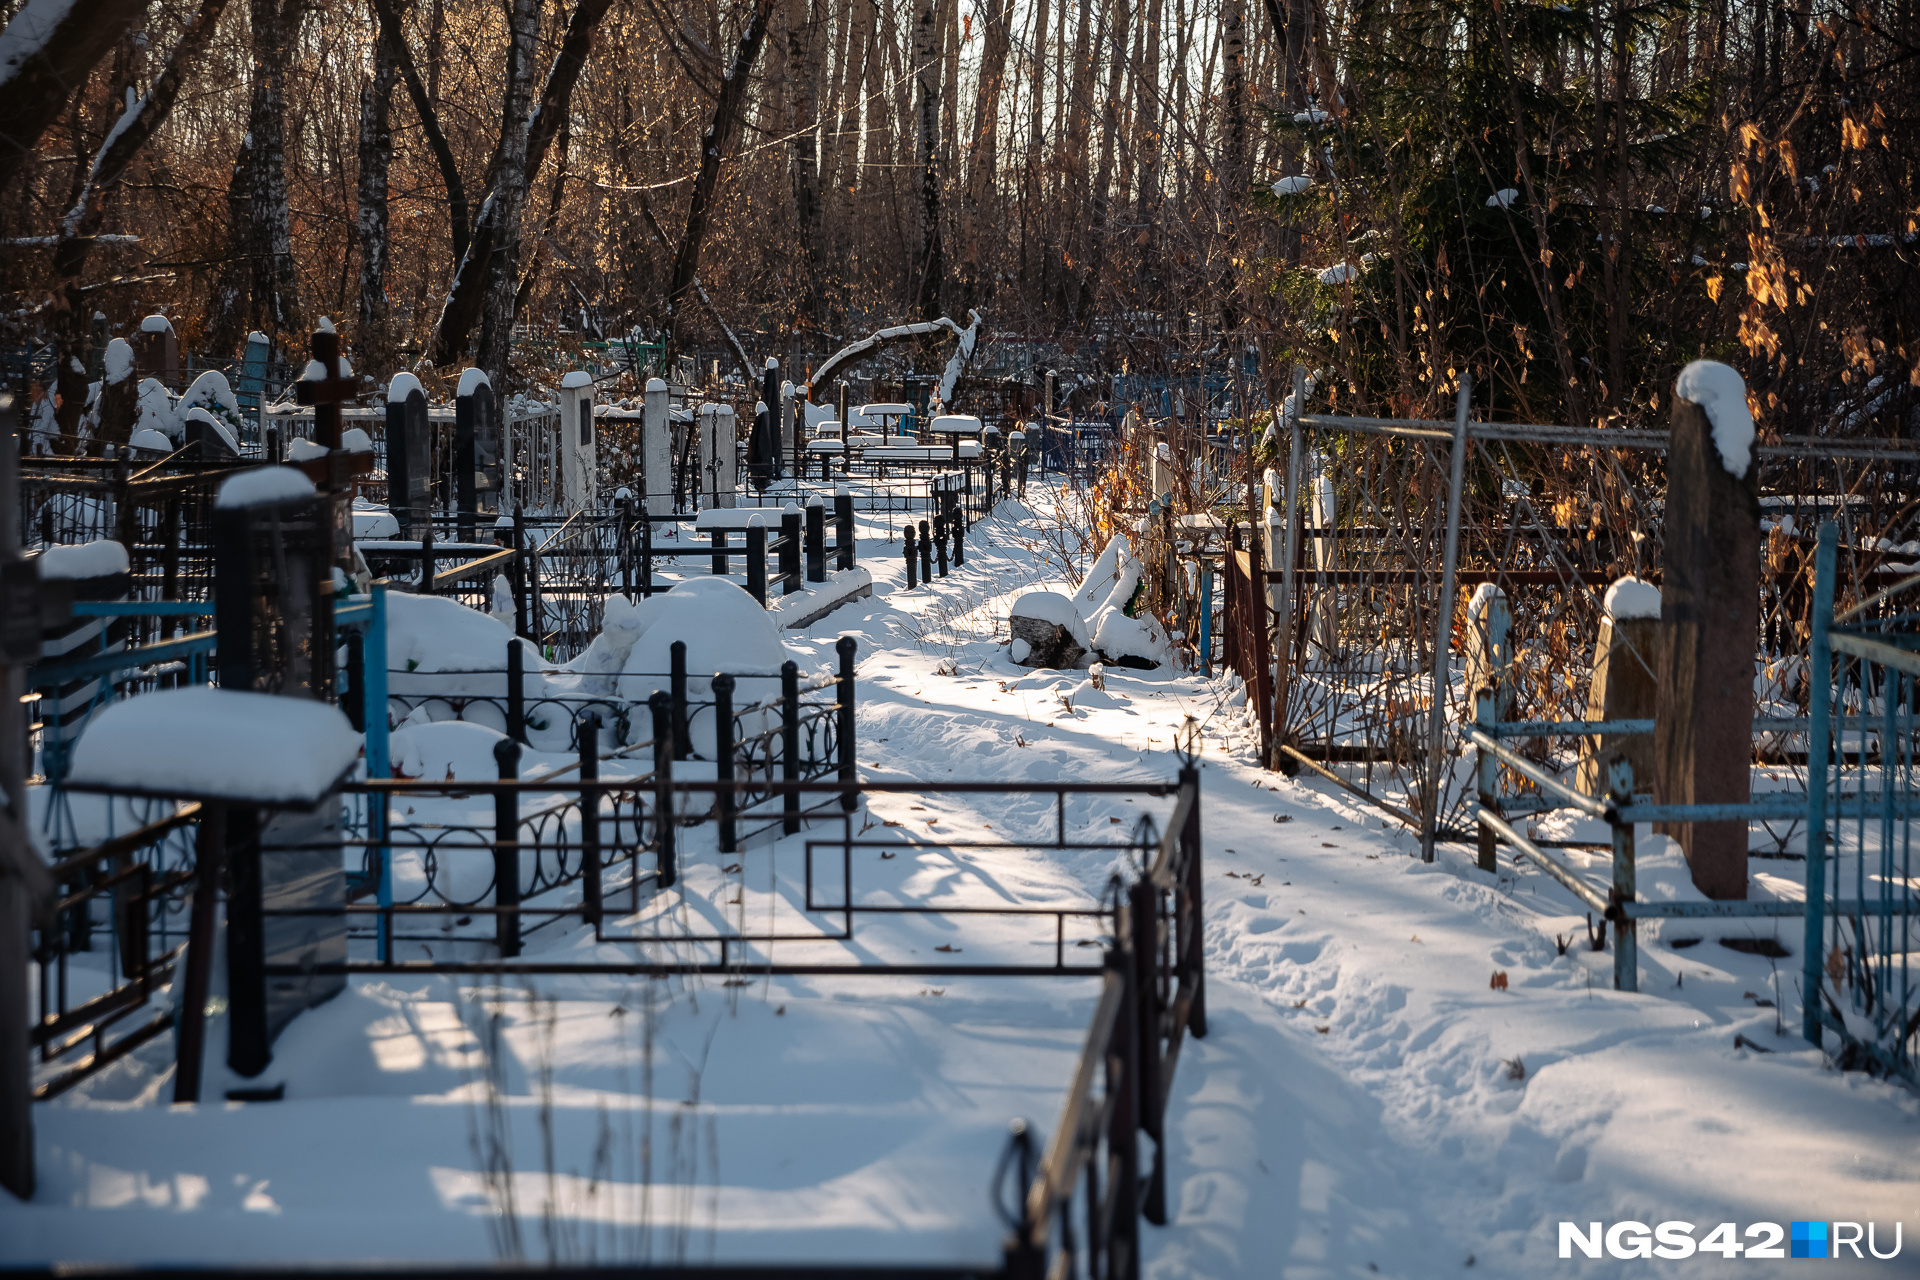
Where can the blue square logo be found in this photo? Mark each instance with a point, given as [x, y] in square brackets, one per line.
[1809, 1240]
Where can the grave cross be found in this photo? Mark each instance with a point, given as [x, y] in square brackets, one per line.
[328, 392]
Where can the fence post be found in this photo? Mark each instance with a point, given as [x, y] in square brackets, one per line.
[912, 554]
[519, 571]
[623, 506]
[1143, 903]
[1626, 943]
[425, 587]
[843, 517]
[506, 848]
[1487, 772]
[1192, 945]
[790, 742]
[646, 557]
[1123, 1125]
[663, 755]
[789, 551]
[209, 852]
[719, 565]
[589, 734]
[354, 703]
[529, 555]
[1819, 749]
[816, 542]
[846, 647]
[677, 682]
[723, 757]
[516, 691]
[957, 521]
[926, 553]
[379, 761]
[757, 560]
[940, 541]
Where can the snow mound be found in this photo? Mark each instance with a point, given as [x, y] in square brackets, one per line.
[1503, 198]
[156, 324]
[218, 743]
[1292, 185]
[148, 438]
[434, 633]
[304, 450]
[101, 559]
[1051, 606]
[576, 378]
[374, 522]
[1339, 273]
[725, 630]
[623, 622]
[197, 414]
[262, 485]
[471, 379]
[355, 440]
[1633, 597]
[119, 361]
[445, 749]
[1723, 394]
[402, 386]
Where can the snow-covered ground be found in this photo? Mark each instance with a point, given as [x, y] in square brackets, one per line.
[1367, 1101]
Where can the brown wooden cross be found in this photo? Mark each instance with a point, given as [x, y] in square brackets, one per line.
[327, 394]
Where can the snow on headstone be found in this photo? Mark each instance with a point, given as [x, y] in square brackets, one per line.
[1632, 597]
[225, 744]
[1292, 185]
[1624, 661]
[1722, 393]
[261, 486]
[100, 559]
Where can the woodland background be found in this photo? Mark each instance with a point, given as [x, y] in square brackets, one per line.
[1571, 199]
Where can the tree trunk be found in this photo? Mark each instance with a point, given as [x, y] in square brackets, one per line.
[372, 340]
[928, 60]
[273, 302]
[394, 37]
[806, 42]
[511, 177]
[983, 160]
[50, 49]
[726, 110]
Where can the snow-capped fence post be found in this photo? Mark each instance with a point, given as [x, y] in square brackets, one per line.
[589, 744]
[664, 752]
[846, 647]
[516, 691]
[579, 475]
[1486, 773]
[677, 682]
[844, 536]
[409, 468]
[789, 551]
[724, 799]
[506, 848]
[926, 553]
[757, 559]
[1710, 613]
[912, 554]
[790, 743]
[1626, 944]
[656, 450]
[816, 541]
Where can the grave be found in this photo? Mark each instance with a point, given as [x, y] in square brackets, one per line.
[156, 352]
[478, 477]
[657, 450]
[409, 456]
[719, 463]
[578, 450]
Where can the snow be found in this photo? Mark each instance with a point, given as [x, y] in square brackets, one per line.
[403, 385]
[1503, 198]
[576, 378]
[656, 384]
[325, 326]
[1051, 606]
[1632, 597]
[355, 440]
[28, 33]
[118, 361]
[472, 379]
[431, 634]
[1723, 394]
[1483, 595]
[1339, 273]
[304, 450]
[725, 630]
[1292, 185]
[100, 559]
[148, 438]
[217, 743]
[1312, 115]
[197, 414]
[261, 486]
[156, 324]
[1350, 1113]
[374, 522]
[155, 408]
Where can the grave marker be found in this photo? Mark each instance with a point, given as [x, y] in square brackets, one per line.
[719, 456]
[476, 451]
[156, 352]
[579, 475]
[409, 465]
[1710, 613]
[656, 450]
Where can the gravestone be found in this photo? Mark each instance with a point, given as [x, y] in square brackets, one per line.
[119, 401]
[409, 456]
[1710, 616]
[273, 584]
[326, 385]
[476, 451]
[719, 456]
[579, 476]
[252, 394]
[156, 351]
[656, 450]
[1625, 658]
